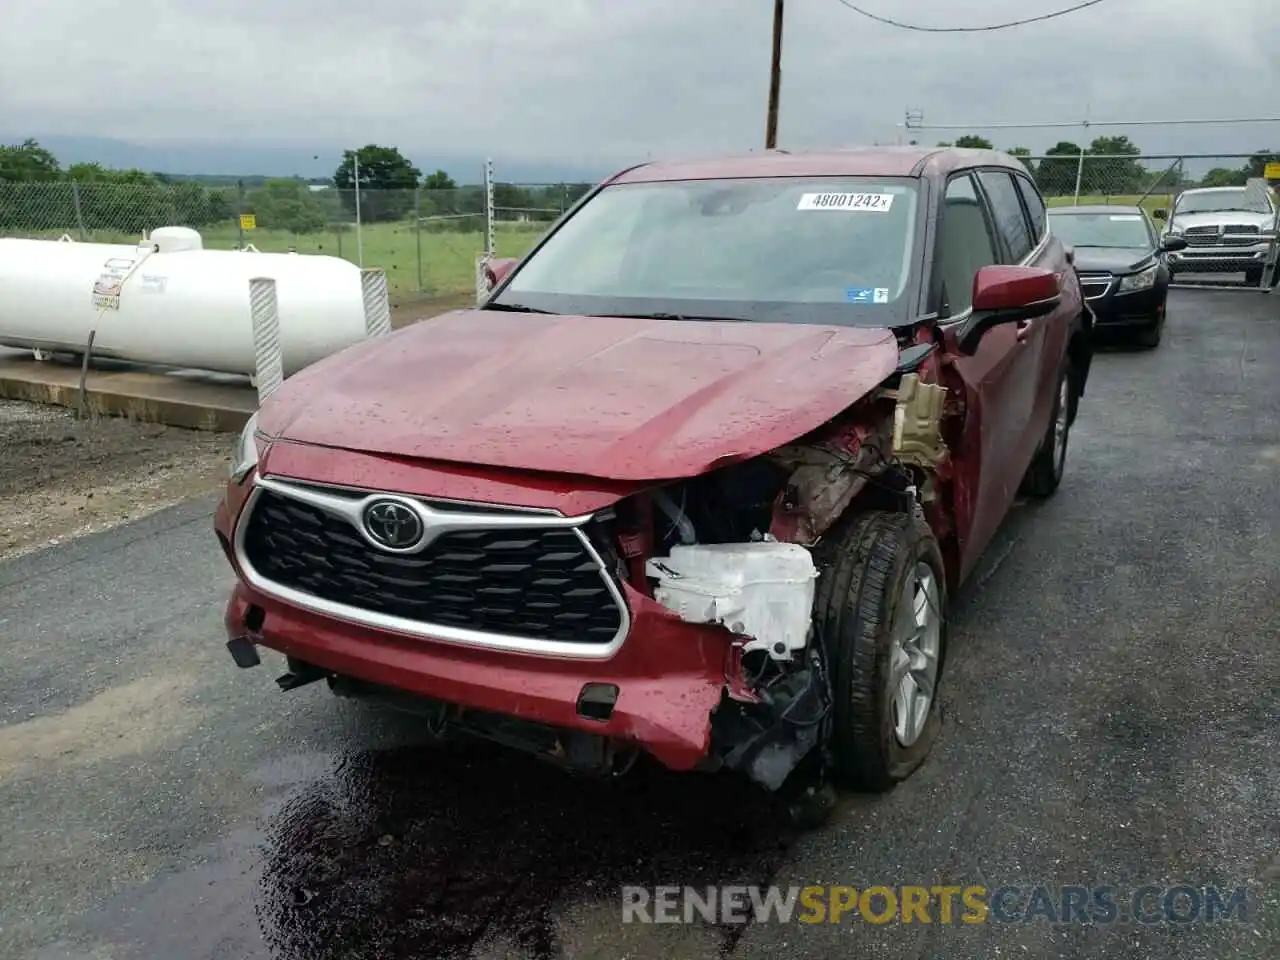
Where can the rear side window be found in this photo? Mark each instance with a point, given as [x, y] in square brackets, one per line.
[1006, 207]
[1035, 207]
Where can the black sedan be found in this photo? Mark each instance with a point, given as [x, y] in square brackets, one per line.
[1120, 259]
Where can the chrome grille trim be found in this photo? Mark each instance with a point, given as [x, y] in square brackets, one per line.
[344, 503]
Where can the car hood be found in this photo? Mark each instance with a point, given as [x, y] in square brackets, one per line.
[1184, 220]
[620, 399]
[1111, 259]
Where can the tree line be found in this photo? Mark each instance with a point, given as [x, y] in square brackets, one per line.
[1113, 166]
[391, 189]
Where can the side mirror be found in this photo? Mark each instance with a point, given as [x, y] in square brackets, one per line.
[495, 271]
[1170, 243]
[1161, 214]
[1004, 294]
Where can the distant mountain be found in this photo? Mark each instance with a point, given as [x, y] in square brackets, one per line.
[229, 159]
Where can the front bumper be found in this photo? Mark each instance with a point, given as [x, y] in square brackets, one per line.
[1112, 310]
[670, 675]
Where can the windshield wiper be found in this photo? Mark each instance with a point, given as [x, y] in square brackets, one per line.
[517, 308]
[673, 316]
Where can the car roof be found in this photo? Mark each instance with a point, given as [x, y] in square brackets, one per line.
[1096, 208]
[1214, 190]
[845, 162]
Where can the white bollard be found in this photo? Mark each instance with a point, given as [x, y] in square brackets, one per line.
[377, 304]
[482, 279]
[267, 354]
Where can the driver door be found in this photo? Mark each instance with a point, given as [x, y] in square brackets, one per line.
[1001, 380]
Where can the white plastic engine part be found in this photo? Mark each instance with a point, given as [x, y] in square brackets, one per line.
[763, 591]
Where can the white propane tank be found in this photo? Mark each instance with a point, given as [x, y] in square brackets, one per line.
[179, 306]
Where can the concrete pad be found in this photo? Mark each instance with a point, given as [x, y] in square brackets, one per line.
[180, 398]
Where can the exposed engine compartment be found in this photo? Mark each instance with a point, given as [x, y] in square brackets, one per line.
[723, 548]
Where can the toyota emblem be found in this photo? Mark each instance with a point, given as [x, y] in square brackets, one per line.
[393, 525]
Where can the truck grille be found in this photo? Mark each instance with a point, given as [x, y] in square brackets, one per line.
[539, 584]
[1230, 235]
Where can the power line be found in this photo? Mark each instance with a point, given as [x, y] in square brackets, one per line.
[985, 29]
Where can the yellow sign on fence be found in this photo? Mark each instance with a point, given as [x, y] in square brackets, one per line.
[1272, 171]
[248, 221]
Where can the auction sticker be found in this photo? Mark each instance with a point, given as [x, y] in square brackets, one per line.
[874, 202]
[1125, 217]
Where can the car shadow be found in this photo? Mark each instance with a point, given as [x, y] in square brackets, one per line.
[433, 850]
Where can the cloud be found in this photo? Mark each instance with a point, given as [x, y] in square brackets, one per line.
[611, 81]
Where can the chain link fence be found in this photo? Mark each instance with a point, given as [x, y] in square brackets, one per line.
[427, 241]
[1150, 181]
[1229, 232]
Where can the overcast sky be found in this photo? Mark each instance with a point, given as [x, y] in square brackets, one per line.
[609, 81]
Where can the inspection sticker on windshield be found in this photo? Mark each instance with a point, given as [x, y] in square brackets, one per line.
[866, 295]
[874, 202]
[1125, 217]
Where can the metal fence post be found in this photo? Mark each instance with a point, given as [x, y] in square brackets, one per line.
[490, 238]
[1079, 175]
[377, 304]
[268, 360]
[417, 230]
[75, 201]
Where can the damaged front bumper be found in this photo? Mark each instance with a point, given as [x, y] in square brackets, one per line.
[667, 683]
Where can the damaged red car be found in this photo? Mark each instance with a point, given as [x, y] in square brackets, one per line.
[695, 481]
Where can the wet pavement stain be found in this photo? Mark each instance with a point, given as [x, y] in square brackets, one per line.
[433, 852]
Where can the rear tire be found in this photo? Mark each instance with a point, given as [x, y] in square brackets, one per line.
[881, 609]
[1045, 473]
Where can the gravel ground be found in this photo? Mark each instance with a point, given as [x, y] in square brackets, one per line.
[1110, 718]
[61, 478]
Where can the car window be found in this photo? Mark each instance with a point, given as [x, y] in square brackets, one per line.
[1227, 200]
[822, 250]
[1119, 228]
[964, 243]
[1006, 208]
[1035, 206]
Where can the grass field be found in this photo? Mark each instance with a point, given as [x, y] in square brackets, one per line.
[425, 265]
[1151, 204]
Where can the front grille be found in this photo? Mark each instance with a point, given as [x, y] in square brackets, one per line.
[1202, 231]
[1249, 228]
[540, 584]
[1094, 286]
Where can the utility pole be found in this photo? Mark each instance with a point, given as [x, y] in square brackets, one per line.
[775, 79]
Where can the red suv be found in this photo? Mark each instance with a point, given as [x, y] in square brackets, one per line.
[695, 481]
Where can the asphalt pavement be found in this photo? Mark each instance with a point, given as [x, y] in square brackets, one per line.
[1111, 719]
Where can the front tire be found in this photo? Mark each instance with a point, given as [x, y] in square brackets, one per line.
[881, 611]
[1045, 473]
[1149, 337]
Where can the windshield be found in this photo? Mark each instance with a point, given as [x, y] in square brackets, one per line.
[1101, 230]
[1223, 201]
[824, 250]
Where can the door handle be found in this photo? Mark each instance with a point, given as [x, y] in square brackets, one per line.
[1023, 330]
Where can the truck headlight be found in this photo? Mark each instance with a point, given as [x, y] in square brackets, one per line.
[246, 452]
[1139, 281]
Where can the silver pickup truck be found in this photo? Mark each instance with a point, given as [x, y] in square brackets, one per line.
[1227, 229]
